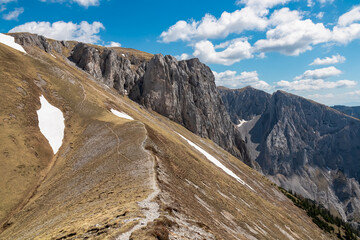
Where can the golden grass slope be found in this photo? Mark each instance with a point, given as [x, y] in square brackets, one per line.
[95, 185]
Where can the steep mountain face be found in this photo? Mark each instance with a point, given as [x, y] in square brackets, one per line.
[351, 111]
[245, 103]
[183, 91]
[114, 69]
[118, 178]
[308, 148]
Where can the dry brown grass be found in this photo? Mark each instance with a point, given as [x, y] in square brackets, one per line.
[92, 186]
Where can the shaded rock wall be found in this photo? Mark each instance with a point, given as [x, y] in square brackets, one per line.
[304, 146]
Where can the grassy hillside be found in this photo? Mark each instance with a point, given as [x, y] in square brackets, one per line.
[112, 175]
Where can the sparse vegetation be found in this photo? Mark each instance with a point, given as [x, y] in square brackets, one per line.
[322, 217]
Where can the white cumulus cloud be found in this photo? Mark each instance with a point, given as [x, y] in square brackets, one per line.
[7, 1]
[313, 84]
[262, 4]
[326, 1]
[234, 51]
[84, 3]
[314, 80]
[346, 34]
[183, 56]
[347, 28]
[288, 32]
[83, 32]
[13, 15]
[292, 35]
[352, 16]
[320, 73]
[354, 93]
[113, 44]
[329, 60]
[210, 27]
[233, 80]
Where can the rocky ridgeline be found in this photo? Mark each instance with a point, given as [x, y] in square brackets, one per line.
[303, 146]
[245, 103]
[183, 91]
[113, 69]
[27, 40]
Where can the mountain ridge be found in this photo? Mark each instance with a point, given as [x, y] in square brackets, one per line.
[100, 183]
[302, 145]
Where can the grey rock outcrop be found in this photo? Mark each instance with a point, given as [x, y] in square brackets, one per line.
[300, 131]
[28, 39]
[185, 92]
[244, 103]
[310, 149]
[113, 69]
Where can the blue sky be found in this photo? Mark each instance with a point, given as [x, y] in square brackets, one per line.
[307, 47]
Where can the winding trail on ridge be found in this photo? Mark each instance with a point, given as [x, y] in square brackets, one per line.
[150, 208]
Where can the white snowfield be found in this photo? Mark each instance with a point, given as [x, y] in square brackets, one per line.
[216, 162]
[10, 41]
[121, 114]
[241, 122]
[51, 124]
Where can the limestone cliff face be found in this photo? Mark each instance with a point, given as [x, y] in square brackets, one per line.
[27, 39]
[308, 148]
[245, 103]
[183, 91]
[299, 131]
[115, 70]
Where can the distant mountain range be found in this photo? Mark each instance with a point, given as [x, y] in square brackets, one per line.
[301, 145]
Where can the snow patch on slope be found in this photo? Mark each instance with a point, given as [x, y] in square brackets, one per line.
[216, 162]
[10, 41]
[121, 114]
[241, 122]
[51, 124]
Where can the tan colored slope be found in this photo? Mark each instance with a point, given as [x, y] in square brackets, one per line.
[101, 184]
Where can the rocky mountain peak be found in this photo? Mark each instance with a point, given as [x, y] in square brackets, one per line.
[239, 105]
[303, 146]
